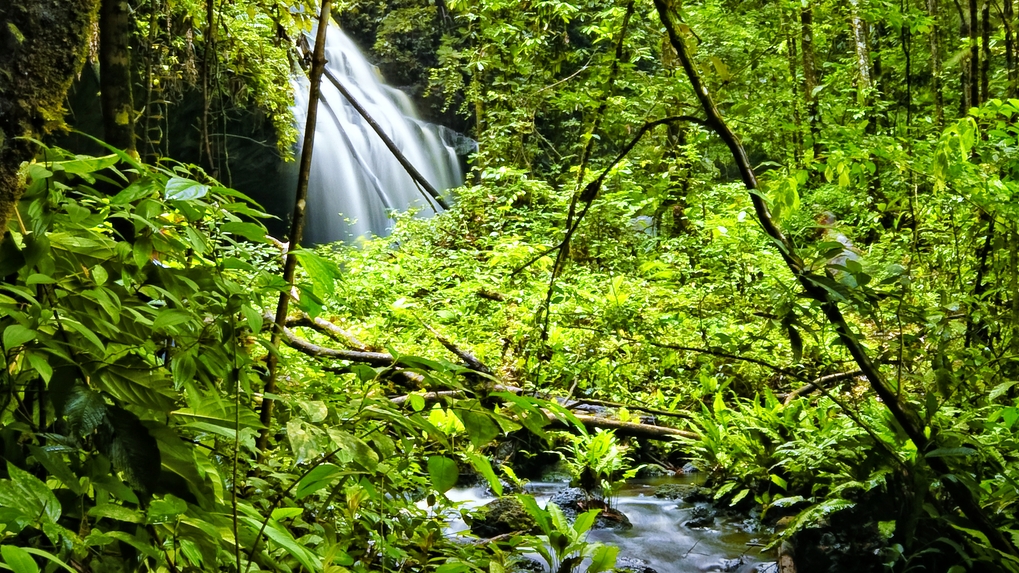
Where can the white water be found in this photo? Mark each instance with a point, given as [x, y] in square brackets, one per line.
[658, 536]
[355, 180]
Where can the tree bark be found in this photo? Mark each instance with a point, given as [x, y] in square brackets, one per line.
[939, 102]
[974, 55]
[115, 74]
[809, 75]
[985, 43]
[862, 52]
[812, 285]
[1006, 22]
[42, 48]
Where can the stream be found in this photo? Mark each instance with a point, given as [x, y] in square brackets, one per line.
[660, 534]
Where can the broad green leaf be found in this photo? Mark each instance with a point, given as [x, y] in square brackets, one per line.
[132, 449]
[57, 467]
[585, 521]
[319, 477]
[41, 365]
[117, 512]
[16, 335]
[603, 559]
[29, 495]
[281, 513]
[84, 410]
[950, 452]
[178, 189]
[18, 559]
[250, 231]
[284, 539]
[323, 273]
[48, 556]
[480, 428]
[444, 473]
[253, 318]
[484, 467]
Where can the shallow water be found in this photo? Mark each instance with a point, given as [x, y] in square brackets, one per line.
[659, 535]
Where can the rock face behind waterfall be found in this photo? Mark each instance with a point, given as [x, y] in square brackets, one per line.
[355, 180]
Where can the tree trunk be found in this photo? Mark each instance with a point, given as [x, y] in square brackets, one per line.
[985, 42]
[115, 74]
[862, 53]
[1006, 21]
[42, 47]
[974, 55]
[795, 83]
[809, 75]
[939, 102]
[906, 39]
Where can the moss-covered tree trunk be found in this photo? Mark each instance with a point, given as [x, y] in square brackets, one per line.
[115, 74]
[42, 47]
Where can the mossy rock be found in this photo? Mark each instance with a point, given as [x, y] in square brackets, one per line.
[683, 491]
[502, 516]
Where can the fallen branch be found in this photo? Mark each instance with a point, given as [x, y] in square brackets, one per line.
[360, 356]
[333, 331]
[646, 431]
[822, 381]
[469, 359]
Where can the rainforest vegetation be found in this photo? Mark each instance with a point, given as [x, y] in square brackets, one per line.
[770, 241]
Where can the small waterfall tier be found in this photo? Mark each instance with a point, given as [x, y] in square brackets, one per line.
[356, 181]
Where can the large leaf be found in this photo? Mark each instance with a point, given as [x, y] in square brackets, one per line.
[84, 411]
[284, 539]
[178, 189]
[29, 495]
[443, 472]
[318, 478]
[131, 448]
[57, 467]
[484, 467]
[603, 559]
[146, 388]
[480, 428]
[18, 559]
[17, 335]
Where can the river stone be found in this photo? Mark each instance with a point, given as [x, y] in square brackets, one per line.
[558, 472]
[633, 565]
[702, 516]
[501, 516]
[574, 501]
[683, 491]
[690, 469]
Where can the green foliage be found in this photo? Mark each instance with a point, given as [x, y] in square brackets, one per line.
[598, 462]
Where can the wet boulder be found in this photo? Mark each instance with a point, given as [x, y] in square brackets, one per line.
[701, 517]
[574, 501]
[633, 565]
[501, 516]
[684, 492]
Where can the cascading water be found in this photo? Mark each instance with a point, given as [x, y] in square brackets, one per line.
[355, 179]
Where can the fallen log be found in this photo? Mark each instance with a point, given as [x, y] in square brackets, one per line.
[634, 430]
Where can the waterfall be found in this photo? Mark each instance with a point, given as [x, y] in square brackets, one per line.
[355, 180]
